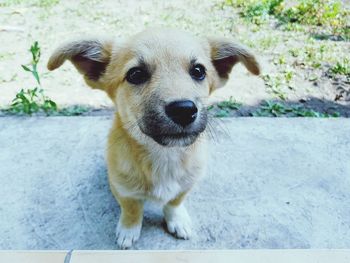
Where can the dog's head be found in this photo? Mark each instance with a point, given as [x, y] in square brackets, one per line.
[159, 79]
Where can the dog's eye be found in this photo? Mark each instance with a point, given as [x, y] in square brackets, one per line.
[137, 75]
[197, 72]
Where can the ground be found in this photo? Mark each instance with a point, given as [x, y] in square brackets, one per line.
[298, 64]
[271, 183]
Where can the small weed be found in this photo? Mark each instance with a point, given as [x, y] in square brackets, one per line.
[281, 60]
[302, 112]
[223, 108]
[211, 107]
[288, 75]
[75, 110]
[328, 14]
[230, 104]
[312, 57]
[222, 114]
[35, 51]
[37, 3]
[294, 52]
[315, 12]
[268, 42]
[30, 101]
[47, 3]
[269, 109]
[255, 11]
[277, 109]
[275, 84]
[341, 68]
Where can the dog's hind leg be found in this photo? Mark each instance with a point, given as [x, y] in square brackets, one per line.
[177, 219]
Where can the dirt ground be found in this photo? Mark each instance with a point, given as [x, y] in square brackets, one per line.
[286, 57]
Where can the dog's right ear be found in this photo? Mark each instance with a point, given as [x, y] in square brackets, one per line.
[90, 57]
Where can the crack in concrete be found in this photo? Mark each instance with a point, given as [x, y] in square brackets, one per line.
[68, 256]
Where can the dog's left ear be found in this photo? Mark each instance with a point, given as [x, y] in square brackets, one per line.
[225, 54]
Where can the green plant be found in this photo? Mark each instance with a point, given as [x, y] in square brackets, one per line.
[278, 109]
[75, 110]
[256, 11]
[330, 14]
[302, 112]
[294, 52]
[342, 68]
[30, 101]
[224, 108]
[274, 85]
[230, 104]
[312, 57]
[281, 60]
[222, 114]
[313, 12]
[268, 42]
[38, 3]
[35, 51]
[47, 3]
[271, 109]
[288, 75]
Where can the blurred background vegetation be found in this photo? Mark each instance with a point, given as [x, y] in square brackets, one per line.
[303, 47]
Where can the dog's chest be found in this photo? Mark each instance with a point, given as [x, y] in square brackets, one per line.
[170, 175]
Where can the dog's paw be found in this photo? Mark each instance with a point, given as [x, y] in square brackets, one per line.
[178, 221]
[127, 236]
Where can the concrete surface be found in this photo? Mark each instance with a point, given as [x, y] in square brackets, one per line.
[272, 183]
[178, 256]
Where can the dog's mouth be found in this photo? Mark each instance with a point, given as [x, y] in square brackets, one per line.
[184, 137]
[174, 139]
[169, 131]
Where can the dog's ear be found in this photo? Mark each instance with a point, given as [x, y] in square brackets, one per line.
[90, 57]
[225, 54]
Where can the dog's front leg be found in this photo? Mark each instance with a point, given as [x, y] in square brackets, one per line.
[130, 221]
[177, 219]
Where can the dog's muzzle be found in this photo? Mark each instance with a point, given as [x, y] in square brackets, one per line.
[178, 123]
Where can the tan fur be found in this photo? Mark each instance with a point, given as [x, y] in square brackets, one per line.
[177, 200]
[138, 167]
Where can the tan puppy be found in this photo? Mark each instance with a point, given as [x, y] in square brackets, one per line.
[159, 80]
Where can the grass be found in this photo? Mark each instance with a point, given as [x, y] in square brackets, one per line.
[278, 109]
[224, 108]
[325, 14]
[29, 101]
[268, 109]
[254, 11]
[36, 3]
[75, 110]
[275, 85]
[341, 68]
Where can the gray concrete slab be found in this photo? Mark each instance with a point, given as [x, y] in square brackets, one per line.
[272, 183]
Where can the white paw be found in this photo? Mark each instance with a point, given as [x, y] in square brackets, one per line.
[178, 221]
[127, 236]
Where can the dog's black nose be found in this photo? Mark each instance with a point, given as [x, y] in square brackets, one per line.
[182, 112]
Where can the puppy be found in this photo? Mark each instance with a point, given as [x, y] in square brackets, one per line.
[159, 80]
